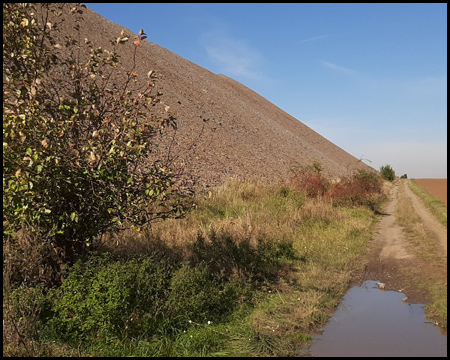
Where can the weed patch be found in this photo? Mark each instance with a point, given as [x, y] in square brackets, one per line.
[255, 281]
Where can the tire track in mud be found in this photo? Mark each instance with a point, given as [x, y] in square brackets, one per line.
[390, 235]
[390, 256]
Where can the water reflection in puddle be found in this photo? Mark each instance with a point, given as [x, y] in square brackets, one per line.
[371, 322]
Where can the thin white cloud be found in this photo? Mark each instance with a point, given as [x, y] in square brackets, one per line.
[311, 39]
[338, 68]
[232, 56]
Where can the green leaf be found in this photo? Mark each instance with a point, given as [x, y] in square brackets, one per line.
[74, 217]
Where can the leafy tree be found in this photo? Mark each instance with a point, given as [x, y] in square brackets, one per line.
[78, 140]
[387, 172]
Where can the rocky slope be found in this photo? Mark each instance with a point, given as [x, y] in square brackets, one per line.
[224, 128]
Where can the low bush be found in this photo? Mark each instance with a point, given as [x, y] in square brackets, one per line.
[364, 188]
[105, 298]
[387, 172]
[195, 294]
[361, 189]
[310, 180]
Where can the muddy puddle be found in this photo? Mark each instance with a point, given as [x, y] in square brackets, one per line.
[373, 322]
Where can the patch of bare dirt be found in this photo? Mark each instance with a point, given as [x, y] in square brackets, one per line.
[436, 187]
[390, 258]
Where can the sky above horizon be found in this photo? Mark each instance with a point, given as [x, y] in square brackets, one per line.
[371, 78]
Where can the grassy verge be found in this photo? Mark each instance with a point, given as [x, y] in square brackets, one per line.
[251, 272]
[437, 207]
[431, 273]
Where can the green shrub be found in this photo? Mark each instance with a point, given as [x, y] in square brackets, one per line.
[387, 172]
[196, 295]
[104, 298]
[75, 152]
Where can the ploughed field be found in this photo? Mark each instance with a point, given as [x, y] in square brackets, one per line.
[436, 187]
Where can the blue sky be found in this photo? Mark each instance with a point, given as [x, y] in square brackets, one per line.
[371, 78]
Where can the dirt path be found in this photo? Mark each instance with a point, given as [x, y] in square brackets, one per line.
[390, 258]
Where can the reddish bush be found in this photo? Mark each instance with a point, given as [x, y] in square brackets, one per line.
[310, 182]
[363, 188]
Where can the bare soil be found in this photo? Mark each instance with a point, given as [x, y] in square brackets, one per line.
[436, 187]
[390, 258]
